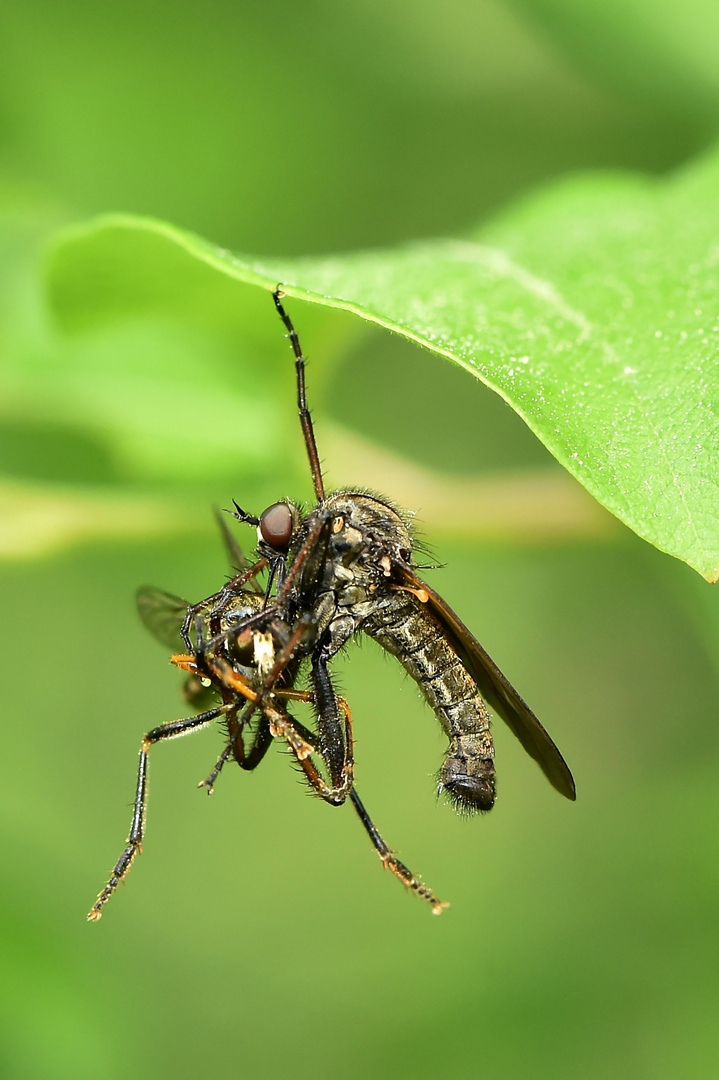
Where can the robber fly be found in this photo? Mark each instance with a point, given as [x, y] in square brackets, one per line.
[345, 567]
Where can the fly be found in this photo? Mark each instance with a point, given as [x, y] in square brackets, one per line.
[345, 567]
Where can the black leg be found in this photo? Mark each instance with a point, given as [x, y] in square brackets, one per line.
[391, 862]
[209, 781]
[335, 736]
[220, 599]
[262, 741]
[332, 742]
[246, 759]
[305, 418]
[313, 547]
[173, 730]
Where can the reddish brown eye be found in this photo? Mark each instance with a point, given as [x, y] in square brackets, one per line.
[276, 525]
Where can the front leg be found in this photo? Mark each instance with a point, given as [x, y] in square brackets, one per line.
[220, 599]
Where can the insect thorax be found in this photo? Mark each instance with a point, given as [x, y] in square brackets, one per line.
[365, 536]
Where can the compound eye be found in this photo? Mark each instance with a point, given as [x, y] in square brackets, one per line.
[276, 525]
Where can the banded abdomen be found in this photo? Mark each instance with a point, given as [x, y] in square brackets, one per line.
[404, 629]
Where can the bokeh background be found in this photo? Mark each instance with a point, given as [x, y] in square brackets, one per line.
[257, 935]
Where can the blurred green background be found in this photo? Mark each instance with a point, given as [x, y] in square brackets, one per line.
[257, 935]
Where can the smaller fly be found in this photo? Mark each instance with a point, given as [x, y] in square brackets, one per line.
[342, 568]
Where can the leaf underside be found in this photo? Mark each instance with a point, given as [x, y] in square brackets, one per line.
[592, 309]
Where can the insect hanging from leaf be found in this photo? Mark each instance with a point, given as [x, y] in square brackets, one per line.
[323, 576]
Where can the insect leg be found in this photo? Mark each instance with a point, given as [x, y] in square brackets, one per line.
[391, 862]
[236, 747]
[335, 735]
[315, 545]
[220, 599]
[302, 744]
[172, 730]
[332, 742]
[340, 760]
[209, 781]
[305, 418]
[262, 741]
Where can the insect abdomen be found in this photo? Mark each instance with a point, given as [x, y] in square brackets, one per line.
[412, 635]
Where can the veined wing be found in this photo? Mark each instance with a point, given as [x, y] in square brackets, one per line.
[163, 615]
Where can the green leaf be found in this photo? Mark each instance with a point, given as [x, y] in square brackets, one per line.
[592, 310]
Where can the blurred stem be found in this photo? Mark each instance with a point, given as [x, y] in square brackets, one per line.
[525, 506]
[522, 506]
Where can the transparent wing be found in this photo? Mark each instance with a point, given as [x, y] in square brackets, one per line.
[163, 615]
[496, 689]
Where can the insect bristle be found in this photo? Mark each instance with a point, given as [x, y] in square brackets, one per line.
[341, 569]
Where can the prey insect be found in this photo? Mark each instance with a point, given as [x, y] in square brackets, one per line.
[321, 577]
